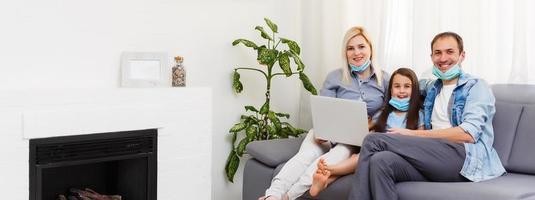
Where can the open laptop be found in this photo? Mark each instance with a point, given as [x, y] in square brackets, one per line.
[339, 120]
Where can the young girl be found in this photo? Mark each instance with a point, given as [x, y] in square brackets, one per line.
[402, 110]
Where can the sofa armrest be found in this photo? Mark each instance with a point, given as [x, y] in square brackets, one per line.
[274, 152]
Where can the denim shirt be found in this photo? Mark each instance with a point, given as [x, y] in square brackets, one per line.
[471, 107]
[366, 90]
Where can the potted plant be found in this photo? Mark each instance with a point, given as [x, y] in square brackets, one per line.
[263, 123]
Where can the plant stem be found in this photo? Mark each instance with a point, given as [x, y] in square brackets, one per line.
[274, 46]
[277, 43]
[247, 68]
[268, 100]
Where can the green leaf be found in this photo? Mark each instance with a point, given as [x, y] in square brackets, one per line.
[249, 119]
[272, 137]
[283, 115]
[250, 108]
[266, 56]
[233, 161]
[272, 130]
[294, 47]
[292, 131]
[275, 120]
[245, 119]
[245, 42]
[241, 146]
[271, 25]
[300, 131]
[265, 108]
[263, 33]
[307, 84]
[285, 132]
[234, 137]
[236, 84]
[284, 63]
[238, 127]
[297, 60]
[251, 131]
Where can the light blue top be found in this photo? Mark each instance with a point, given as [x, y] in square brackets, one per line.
[400, 121]
[366, 90]
[471, 107]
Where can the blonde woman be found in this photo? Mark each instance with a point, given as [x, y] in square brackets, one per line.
[359, 79]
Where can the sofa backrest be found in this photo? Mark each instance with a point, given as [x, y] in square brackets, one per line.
[514, 126]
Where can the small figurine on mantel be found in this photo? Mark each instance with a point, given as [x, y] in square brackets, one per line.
[179, 73]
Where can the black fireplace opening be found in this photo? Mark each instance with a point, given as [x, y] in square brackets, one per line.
[118, 164]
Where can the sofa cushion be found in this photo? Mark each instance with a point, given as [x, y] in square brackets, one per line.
[519, 94]
[509, 186]
[505, 125]
[522, 159]
[338, 189]
[274, 152]
[256, 178]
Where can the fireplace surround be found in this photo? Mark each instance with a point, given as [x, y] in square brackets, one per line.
[182, 117]
[119, 163]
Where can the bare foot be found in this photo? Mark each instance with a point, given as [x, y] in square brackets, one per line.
[322, 164]
[319, 180]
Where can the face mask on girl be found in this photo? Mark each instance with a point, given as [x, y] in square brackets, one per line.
[400, 104]
[361, 68]
[448, 75]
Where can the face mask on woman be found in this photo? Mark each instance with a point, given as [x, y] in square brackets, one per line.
[448, 75]
[361, 68]
[400, 104]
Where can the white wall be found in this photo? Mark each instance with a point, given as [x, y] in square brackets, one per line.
[322, 40]
[77, 44]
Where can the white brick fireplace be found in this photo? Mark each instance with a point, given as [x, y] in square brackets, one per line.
[182, 116]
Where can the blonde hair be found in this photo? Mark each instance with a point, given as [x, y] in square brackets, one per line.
[346, 73]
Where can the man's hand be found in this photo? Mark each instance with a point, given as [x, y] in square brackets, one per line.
[402, 131]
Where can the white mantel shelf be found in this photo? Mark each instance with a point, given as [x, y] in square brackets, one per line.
[183, 117]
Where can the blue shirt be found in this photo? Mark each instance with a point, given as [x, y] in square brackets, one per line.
[400, 121]
[366, 90]
[472, 108]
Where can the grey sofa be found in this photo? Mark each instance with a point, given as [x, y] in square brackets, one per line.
[514, 127]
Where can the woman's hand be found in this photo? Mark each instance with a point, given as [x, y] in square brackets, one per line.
[319, 141]
[402, 131]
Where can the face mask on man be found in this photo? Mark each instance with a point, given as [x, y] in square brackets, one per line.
[452, 73]
[361, 68]
[400, 104]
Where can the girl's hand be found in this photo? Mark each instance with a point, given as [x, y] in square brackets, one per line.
[401, 131]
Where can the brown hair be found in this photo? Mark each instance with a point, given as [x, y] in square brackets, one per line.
[449, 34]
[414, 104]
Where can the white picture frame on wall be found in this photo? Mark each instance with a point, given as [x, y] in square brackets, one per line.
[145, 69]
